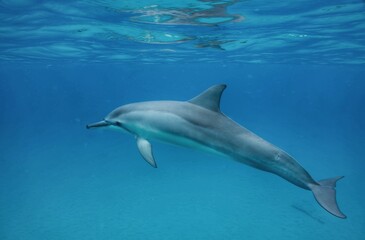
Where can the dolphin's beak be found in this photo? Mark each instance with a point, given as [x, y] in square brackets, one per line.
[97, 124]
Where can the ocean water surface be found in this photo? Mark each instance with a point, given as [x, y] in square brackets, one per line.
[295, 76]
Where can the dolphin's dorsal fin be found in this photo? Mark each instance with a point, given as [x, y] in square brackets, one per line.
[210, 98]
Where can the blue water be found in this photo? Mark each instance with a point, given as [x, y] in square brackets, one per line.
[59, 180]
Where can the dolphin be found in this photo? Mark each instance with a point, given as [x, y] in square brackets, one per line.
[199, 123]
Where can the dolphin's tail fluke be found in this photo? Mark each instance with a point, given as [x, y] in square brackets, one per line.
[325, 194]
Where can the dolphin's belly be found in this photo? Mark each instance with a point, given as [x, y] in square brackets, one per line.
[220, 136]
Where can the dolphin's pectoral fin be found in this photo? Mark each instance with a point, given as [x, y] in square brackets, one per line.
[325, 194]
[210, 98]
[145, 148]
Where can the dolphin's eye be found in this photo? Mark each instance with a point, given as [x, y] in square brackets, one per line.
[118, 124]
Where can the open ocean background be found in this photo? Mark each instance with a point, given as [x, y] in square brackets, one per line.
[295, 74]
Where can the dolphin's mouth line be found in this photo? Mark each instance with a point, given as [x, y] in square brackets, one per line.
[104, 123]
[116, 123]
[98, 124]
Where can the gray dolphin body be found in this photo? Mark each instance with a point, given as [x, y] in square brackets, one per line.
[199, 123]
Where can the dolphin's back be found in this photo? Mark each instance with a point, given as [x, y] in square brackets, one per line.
[189, 121]
[210, 129]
